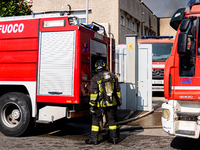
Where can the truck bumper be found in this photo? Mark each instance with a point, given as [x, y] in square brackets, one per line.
[179, 123]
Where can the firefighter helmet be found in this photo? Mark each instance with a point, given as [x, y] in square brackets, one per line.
[100, 65]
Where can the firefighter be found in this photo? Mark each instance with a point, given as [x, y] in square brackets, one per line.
[104, 98]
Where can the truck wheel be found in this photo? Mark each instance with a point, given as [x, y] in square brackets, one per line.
[15, 114]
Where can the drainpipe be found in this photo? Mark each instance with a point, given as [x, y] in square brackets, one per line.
[111, 36]
[86, 11]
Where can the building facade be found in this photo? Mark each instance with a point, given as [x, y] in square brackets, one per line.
[120, 17]
[165, 28]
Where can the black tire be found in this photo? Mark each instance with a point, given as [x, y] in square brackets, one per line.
[15, 114]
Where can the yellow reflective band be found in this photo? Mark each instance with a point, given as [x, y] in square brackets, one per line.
[100, 87]
[113, 84]
[113, 127]
[93, 96]
[103, 64]
[107, 103]
[95, 64]
[95, 128]
[91, 104]
[119, 94]
[99, 82]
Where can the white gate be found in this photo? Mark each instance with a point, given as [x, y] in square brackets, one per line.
[144, 91]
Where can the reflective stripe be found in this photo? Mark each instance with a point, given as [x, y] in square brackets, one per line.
[113, 127]
[113, 84]
[158, 66]
[185, 87]
[91, 104]
[95, 128]
[119, 94]
[107, 126]
[100, 87]
[93, 96]
[107, 103]
[99, 82]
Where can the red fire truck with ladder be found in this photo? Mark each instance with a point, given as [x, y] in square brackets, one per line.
[46, 64]
[161, 50]
[181, 114]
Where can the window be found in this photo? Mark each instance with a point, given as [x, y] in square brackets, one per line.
[138, 27]
[128, 23]
[145, 31]
[82, 20]
[188, 59]
[81, 15]
[133, 24]
[122, 20]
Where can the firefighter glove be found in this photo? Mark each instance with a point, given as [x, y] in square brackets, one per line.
[119, 103]
[92, 109]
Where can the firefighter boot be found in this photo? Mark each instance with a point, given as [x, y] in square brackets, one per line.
[118, 134]
[93, 139]
[90, 141]
[113, 137]
[117, 131]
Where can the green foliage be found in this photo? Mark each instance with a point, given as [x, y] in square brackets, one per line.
[14, 8]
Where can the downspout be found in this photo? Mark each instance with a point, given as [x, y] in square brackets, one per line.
[86, 11]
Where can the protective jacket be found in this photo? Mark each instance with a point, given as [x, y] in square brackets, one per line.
[97, 96]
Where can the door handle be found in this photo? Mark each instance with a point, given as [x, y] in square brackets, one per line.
[55, 92]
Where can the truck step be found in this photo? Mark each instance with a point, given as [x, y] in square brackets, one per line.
[185, 132]
[187, 114]
[43, 122]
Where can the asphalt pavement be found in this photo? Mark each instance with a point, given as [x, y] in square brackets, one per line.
[143, 134]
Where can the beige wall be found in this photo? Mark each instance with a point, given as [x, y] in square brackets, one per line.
[100, 11]
[165, 28]
[107, 11]
[49, 5]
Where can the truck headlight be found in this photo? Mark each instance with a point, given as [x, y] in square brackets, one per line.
[166, 113]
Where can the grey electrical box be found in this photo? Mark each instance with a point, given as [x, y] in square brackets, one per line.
[134, 69]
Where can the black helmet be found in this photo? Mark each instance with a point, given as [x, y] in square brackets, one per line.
[100, 65]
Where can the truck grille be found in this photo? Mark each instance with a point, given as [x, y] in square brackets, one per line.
[158, 73]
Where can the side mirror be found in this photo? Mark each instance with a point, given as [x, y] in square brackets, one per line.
[177, 18]
[182, 43]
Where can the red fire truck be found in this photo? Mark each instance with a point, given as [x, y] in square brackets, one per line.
[181, 114]
[46, 64]
[161, 50]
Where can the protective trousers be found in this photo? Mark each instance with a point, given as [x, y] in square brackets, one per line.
[110, 113]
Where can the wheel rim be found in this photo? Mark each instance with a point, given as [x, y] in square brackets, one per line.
[11, 115]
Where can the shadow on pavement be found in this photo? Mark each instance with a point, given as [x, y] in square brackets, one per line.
[82, 126]
[70, 128]
[77, 126]
[184, 143]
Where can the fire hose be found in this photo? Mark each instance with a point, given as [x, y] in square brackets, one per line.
[135, 118]
[127, 127]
